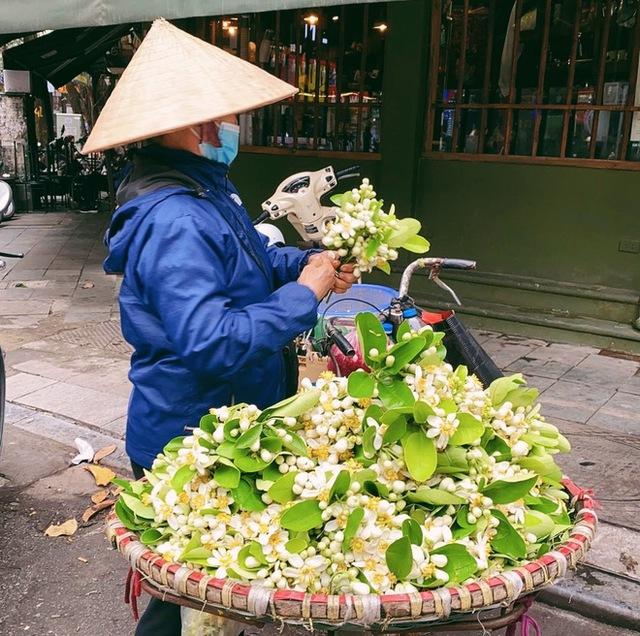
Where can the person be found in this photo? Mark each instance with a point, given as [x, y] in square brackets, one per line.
[207, 305]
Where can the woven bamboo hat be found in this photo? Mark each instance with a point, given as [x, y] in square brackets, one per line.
[175, 80]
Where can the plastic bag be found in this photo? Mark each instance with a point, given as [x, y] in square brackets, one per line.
[198, 623]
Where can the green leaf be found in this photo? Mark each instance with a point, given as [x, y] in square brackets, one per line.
[367, 441]
[538, 523]
[195, 555]
[247, 497]
[227, 476]
[542, 465]
[404, 328]
[421, 412]
[420, 455]
[469, 430]
[302, 516]
[405, 352]
[507, 539]
[151, 536]
[395, 393]
[295, 545]
[506, 491]
[336, 199]
[294, 406]
[353, 523]
[137, 507]
[384, 266]
[407, 228]
[412, 530]
[371, 335]
[460, 564]
[522, 396]
[174, 445]
[183, 476]
[360, 384]
[297, 445]
[395, 431]
[501, 387]
[375, 489]
[416, 244]
[435, 496]
[281, 491]
[371, 247]
[340, 485]
[226, 450]
[271, 443]
[127, 518]
[399, 558]
[247, 462]
[125, 484]
[541, 504]
[208, 422]
[249, 437]
[272, 472]
[453, 460]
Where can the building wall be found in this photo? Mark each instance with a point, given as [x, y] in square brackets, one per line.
[13, 127]
[546, 238]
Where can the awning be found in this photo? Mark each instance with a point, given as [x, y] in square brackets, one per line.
[61, 55]
[31, 15]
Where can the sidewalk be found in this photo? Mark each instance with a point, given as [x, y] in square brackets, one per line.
[67, 367]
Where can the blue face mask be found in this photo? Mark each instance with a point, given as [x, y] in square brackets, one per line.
[229, 136]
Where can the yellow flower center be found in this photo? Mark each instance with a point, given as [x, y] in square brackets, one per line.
[357, 544]
[448, 428]
[321, 452]
[390, 474]
[197, 501]
[428, 570]
[223, 517]
[327, 376]
[275, 539]
[146, 498]
[323, 495]
[183, 497]
[372, 504]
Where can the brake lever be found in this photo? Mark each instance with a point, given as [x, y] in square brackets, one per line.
[433, 275]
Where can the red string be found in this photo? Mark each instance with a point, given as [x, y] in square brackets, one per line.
[588, 493]
[132, 590]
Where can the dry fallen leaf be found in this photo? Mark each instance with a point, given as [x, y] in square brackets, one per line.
[101, 474]
[99, 496]
[103, 452]
[83, 559]
[89, 512]
[67, 529]
[88, 285]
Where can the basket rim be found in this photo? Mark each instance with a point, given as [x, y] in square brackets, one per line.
[482, 593]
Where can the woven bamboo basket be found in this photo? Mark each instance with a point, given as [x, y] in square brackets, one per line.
[387, 612]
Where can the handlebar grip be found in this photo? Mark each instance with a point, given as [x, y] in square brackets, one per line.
[457, 263]
[263, 217]
[340, 341]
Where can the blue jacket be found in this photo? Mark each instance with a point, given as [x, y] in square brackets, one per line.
[206, 305]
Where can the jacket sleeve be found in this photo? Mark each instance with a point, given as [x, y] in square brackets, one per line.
[182, 272]
[287, 262]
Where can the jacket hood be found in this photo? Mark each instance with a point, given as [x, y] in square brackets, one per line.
[152, 174]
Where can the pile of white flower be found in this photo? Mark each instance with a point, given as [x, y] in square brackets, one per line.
[407, 477]
[364, 234]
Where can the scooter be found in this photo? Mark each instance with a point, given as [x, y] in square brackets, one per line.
[3, 264]
[299, 199]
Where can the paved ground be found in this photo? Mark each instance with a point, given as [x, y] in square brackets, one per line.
[67, 368]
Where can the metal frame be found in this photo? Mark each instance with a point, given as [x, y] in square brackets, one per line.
[510, 107]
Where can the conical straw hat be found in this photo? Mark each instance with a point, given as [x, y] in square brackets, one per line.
[175, 80]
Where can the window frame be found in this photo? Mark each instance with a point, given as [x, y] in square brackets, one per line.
[298, 105]
[567, 108]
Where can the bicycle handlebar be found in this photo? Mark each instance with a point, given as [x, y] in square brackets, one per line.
[434, 264]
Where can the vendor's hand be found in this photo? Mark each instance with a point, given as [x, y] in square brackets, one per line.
[328, 255]
[344, 278]
[319, 275]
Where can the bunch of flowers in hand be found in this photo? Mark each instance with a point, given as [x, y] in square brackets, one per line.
[407, 477]
[364, 234]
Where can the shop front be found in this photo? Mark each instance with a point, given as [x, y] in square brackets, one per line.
[486, 111]
[510, 128]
